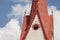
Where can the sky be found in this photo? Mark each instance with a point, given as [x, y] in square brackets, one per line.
[12, 12]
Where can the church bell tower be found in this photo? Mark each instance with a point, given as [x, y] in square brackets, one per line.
[38, 25]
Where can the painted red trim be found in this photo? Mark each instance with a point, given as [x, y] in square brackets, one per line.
[45, 20]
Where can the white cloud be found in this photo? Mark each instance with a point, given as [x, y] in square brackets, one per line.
[11, 31]
[19, 10]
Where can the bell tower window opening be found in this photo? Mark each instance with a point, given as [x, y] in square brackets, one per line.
[35, 27]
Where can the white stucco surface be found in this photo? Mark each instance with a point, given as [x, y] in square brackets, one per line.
[35, 34]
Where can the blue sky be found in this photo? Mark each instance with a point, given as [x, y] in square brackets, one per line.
[55, 3]
[6, 8]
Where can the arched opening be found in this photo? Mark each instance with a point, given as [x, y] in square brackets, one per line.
[36, 27]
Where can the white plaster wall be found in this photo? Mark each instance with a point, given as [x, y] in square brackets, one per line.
[35, 34]
[56, 25]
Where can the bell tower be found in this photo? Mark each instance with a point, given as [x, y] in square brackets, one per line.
[38, 25]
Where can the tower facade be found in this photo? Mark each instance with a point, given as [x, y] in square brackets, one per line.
[38, 25]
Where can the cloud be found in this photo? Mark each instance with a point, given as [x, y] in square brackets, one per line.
[18, 10]
[11, 31]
